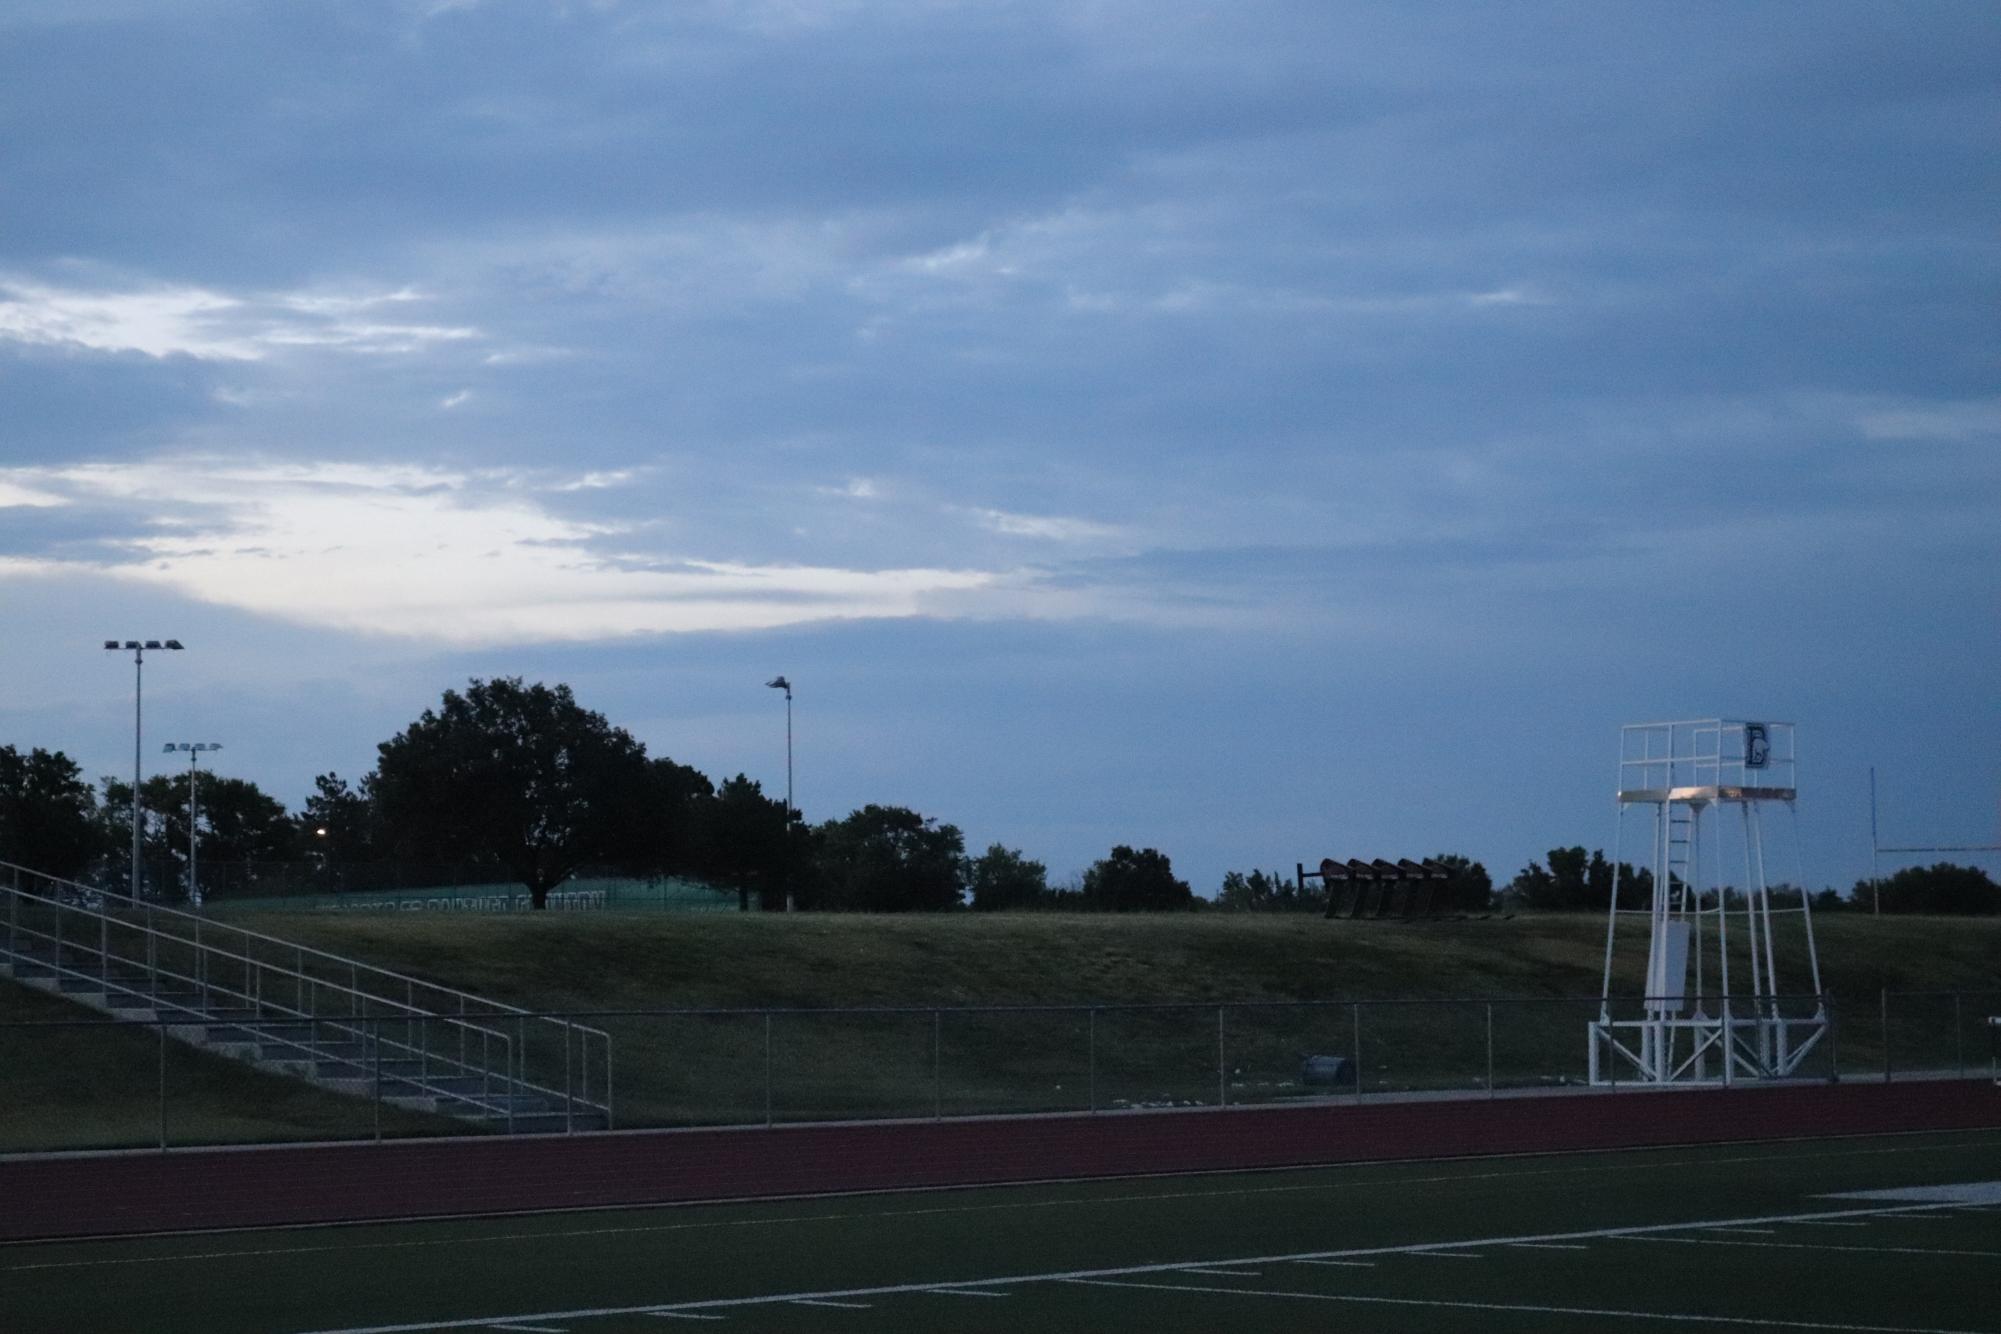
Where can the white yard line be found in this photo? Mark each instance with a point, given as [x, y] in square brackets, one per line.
[1828, 1222]
[530, 1329]
[1812, 1246]
[1223, 1273]
[1449, 1255]
[969, 1286]
[1346, 1264]
[680, 1315]
[962, 1290]
[845, 1306]
[1598, 1312]
[1549, 1246]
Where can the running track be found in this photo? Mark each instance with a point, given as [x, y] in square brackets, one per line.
[98, 1194]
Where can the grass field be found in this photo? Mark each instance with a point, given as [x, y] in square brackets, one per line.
[635, 961]
[1721, 1238]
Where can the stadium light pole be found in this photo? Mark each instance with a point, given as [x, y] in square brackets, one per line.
[138, 648]
[780, 683]
[194, 751]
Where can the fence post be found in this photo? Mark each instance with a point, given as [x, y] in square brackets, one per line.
[1222, 1075]
[767, 1069]
[376, 1029]
[1490, 1049]
[1357, 1008]
[163, 1085]
[937, 1066]
[1884, 996]
[569, 1086]
[1833, 1038]
[1958, 1038]
[1091, 1041]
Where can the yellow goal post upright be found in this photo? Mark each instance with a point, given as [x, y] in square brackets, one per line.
[1731, 987]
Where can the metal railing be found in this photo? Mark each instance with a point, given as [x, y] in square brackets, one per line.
[149, 957]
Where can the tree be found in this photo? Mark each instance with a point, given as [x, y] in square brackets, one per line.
[1470, 888]
[1576, 880]
[48, 813]
[337, 822]
[518, 776]
[743, 841]
[237, 824]
[1266, 891]
[1129, 881]
[1002, 878]
[1940, 888]
[888, 859]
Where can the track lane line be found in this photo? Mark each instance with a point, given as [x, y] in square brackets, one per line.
[1599, 1313]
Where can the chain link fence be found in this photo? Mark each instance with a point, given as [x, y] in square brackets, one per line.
[102, 1083]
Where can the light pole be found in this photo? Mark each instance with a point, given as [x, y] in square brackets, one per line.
[780, 683]
[138, 648]
[194, 751]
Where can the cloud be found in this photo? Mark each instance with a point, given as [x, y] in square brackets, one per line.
[15, 496]
[440, 555]
[1970, 420]
[1047, 527]
[165, 320]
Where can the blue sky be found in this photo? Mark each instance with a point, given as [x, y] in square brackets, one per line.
[1258, 431]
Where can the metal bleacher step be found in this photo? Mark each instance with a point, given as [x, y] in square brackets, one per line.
[256, 999]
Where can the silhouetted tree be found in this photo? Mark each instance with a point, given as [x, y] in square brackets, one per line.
[48, 813]
[741, 837]
[1002, 878]
[888, 859]
[1266, 891]
[1470, 888]
[517, 776]
[1129, 881]
[337, 824]
[1940, 888]
[1578, 880]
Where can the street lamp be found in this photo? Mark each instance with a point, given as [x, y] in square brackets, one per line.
[780, 683]
[138, 647]
[194, 751]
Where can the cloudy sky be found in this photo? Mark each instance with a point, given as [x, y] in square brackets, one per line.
[1257, 430]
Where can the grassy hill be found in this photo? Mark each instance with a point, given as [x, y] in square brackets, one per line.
[1241, 1000]
[639, 961]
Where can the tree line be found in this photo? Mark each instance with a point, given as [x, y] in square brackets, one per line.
[520, 781]
[1573, 880]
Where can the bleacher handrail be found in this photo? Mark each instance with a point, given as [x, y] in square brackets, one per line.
[483, 1006]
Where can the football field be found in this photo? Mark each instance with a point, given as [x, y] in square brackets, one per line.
[1893, 1233]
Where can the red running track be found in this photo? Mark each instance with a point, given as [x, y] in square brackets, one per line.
[99, 1194]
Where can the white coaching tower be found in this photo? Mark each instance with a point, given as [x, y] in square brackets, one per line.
[1716, 1006]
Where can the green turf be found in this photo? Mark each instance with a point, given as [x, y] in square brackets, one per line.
[1894, 1271]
